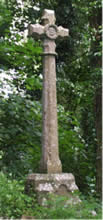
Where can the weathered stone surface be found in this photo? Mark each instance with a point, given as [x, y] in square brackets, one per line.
[54, 182]
[36, 30]
[58, 184]
[48, 17]
[50, 162]
[62, 32]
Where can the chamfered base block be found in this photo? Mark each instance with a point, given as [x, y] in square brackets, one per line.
[62, 184]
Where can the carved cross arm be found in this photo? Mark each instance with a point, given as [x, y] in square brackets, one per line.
[63, 32]
[36, 30]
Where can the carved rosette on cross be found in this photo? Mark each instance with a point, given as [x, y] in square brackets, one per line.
[49, 32]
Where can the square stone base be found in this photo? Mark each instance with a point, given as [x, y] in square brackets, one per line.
[58, 184]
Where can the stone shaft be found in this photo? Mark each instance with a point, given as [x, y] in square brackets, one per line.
[48, 32]
[50, 161]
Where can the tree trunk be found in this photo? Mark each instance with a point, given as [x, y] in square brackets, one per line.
[98, 113]
[95, 22]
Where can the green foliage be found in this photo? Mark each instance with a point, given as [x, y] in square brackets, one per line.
[5, 18]
[73, 151]
[58, 209]
[19, 141]
[13, 201]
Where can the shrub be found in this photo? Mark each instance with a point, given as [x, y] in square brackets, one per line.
[87, 209]
[13, 201]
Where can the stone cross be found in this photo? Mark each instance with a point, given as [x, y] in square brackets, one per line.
[49, 32]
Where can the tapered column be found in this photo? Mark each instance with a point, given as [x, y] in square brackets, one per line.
[50, 162]
[49, 32]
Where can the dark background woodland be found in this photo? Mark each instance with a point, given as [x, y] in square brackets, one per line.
[78, 90]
